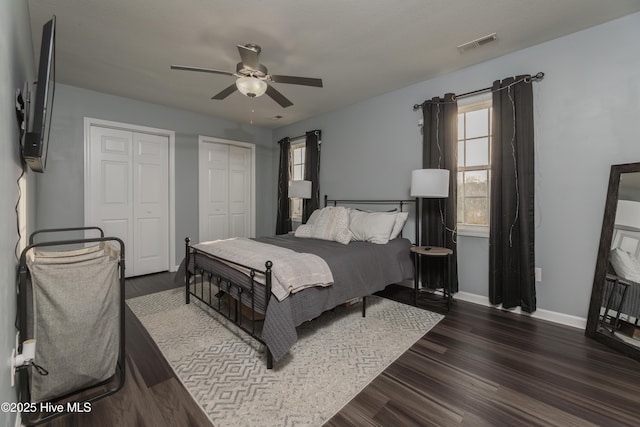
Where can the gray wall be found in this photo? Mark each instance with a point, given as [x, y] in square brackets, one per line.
[16, 67]
[60, 190]
[586, 114]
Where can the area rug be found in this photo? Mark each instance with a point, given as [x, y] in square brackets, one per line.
[335, 357]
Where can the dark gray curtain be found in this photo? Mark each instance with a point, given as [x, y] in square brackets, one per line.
[440, 151]
[312, 173]
[511, 236]
[283, 219]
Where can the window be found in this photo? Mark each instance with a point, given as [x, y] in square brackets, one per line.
[474, 166]
[296, 173]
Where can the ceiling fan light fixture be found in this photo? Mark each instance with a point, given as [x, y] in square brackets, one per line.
[251, 86]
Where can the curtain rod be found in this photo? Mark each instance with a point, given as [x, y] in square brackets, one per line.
[299, 136]
[534, 78]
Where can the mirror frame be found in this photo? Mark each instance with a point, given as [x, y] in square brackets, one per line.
[602, 263]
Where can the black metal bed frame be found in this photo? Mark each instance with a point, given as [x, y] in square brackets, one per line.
[226, 287]
[28, 418]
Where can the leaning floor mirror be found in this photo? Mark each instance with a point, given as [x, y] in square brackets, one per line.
[614, 310]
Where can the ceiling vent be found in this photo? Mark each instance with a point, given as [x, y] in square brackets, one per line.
[477, 42]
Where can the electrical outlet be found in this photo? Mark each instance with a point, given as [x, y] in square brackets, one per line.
[13, 360]
[13, 367]
[538, 273]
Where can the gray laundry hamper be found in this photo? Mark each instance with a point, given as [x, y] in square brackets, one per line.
[71, 302]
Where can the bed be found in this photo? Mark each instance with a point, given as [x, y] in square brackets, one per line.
[361, 266]
[625, 271]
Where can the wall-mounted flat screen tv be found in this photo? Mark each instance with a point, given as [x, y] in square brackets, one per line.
[36, 142]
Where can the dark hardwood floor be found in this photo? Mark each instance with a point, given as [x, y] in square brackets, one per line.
[152, 395]
[477, 367]
[486, 367]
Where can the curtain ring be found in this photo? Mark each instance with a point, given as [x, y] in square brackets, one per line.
[528, 79]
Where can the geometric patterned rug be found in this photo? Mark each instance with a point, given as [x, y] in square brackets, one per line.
[335, 357]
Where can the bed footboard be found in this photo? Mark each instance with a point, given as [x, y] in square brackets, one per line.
[228, 295]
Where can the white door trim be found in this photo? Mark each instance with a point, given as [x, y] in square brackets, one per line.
[211, 139]
[88, 122]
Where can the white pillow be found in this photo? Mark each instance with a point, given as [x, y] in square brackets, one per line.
[303, 231]
[625, 265]
[374, 227]
[401, 220]
[330, 223]
[313, 217]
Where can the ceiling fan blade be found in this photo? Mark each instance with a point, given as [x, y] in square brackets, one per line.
[249, 56]
[278, 97]
[305, 81]
[225, 92]
[202, 70]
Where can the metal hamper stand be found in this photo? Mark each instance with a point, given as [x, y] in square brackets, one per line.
[79, 399]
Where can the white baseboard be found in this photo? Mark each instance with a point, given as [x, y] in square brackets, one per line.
[551, 316]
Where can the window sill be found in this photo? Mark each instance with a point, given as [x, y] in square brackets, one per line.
[471, 231]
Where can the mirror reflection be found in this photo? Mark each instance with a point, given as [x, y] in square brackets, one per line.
[620, 307]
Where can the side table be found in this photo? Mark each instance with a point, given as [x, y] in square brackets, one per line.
[615, 281]
[431, 251]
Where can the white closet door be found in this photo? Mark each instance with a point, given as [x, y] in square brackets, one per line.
[214, 191]
[129, 195]
[150, 203]
[240, 191]
[111, 186]
[225, 191]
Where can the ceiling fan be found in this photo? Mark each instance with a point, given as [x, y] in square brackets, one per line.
[253, 77]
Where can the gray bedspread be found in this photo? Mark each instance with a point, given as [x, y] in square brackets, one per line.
[359, 269]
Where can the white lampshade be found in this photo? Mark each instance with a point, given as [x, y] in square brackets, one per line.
[430, 183]
[300, 189]
[251, 86]
[628, 214]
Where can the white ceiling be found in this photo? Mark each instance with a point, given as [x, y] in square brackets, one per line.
[359, 48]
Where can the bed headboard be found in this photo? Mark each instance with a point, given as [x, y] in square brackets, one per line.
[402, 204]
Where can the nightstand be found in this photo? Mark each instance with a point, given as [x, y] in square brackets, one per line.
[437, 252]
[618, 287]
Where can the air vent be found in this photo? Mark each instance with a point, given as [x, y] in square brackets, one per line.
[477, 42]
